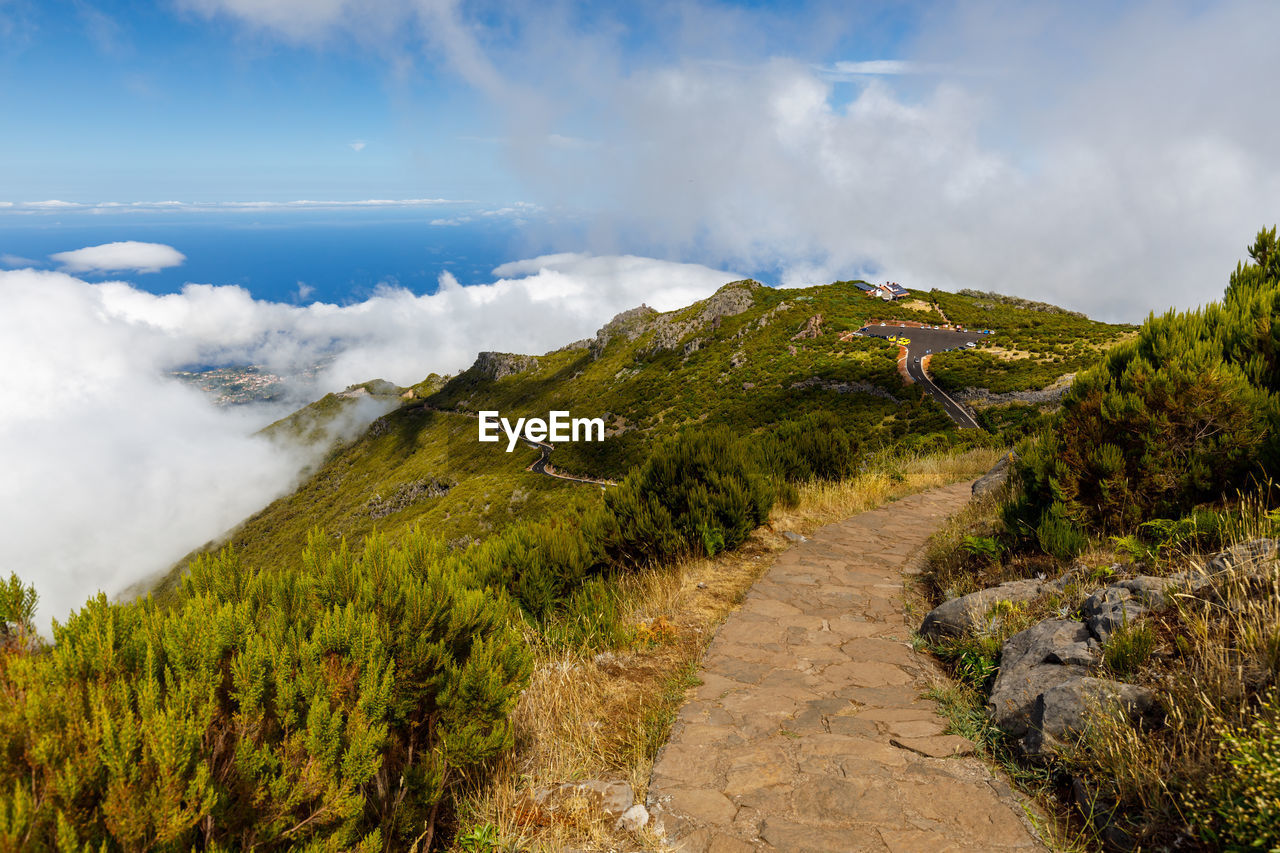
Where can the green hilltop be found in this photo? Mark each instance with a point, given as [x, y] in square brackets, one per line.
[750, 358]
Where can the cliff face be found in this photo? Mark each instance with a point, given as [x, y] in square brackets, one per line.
[630, 324]
[497, 365]
[732, 299]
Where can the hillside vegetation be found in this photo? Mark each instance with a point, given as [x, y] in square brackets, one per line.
[1140, 531]
[751, 358]
[1034, 345]
[299, 690]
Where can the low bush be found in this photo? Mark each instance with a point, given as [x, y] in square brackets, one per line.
[1242, 809]
[1128, 649]
[1182, 415]
[331, 708]
[700, 493]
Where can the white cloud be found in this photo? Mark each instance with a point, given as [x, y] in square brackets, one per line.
[881, 67]
[112, 471]
[14, 261]
[122, 256]
[357, 146]
[1070, 152]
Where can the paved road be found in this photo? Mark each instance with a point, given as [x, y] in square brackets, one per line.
[924, 342]
[808, 731]
[544, 460]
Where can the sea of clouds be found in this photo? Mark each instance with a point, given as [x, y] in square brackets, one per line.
[113, 470]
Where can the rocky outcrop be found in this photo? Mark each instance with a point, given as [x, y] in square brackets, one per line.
[1062, 711]
[1123, 603]
[734, 298]
[1246, 558]
[1033, 661]
[497, 365]
[629, 324]
[845, 387]
[982, 397]
[812, 329]
[964, 615]
[406, 495]
[993, 480]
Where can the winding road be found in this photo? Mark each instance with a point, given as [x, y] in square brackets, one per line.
[924, 342]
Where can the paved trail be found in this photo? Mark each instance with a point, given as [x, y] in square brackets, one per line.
[808, 733]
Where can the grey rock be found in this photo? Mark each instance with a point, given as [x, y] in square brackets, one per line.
[1110, 609]
[1151, 591]
[734, 298]
[994, 479]
[1033, 661]
[1247, 557]
[794, 537]
[497, 365]
[812, 329]
[961, 616]
[633, 819]
[630, 324]
[1061, 712]
[840, 387]
[982, 397]
[607, 797]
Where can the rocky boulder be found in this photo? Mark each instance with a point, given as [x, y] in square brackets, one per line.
[1247, 557]
[598, 796]
[962, 616]
[1062, 711]
[812, 329]
[1033, 661]
[1110, 609]
[990, 482]
[497, 365]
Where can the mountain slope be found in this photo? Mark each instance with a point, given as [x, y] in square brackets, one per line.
[749, 357]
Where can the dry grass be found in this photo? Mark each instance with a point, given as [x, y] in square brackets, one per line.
[1216, 659]
[597, 716]
[1211, 774]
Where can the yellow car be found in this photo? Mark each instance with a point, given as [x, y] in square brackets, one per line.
[904, 341]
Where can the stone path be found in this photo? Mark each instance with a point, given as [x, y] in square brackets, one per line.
[808, 732]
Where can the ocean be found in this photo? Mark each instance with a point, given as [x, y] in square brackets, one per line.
[340, 257]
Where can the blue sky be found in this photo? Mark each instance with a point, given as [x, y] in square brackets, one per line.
[137, 102]
[1033, 148]
[157, 101]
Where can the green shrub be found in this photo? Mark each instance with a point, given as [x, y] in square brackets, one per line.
[541, 563]
[699, 493]
[1128, 649]
[815, 447]
[1184, 414]
[1057, 535]
[986, 547]
[331, 708]
[1241, 810]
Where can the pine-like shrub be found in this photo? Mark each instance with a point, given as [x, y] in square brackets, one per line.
[815, 447]
[1186, 413]
[326, 709]
[700, 493]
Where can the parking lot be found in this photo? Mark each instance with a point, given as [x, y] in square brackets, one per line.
[924, 341]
